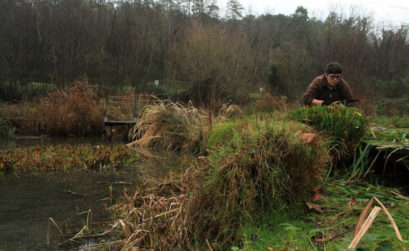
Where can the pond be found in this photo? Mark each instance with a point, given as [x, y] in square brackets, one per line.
[28, 200]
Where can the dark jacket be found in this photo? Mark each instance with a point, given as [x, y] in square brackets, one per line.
[320, 89]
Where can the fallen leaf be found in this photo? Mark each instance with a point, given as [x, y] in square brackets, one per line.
[308, 138]
[317, 194]
[352, 201]
[316, 207]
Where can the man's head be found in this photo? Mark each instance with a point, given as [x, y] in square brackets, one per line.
[333, 73]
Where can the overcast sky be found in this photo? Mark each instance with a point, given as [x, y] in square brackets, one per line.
[384, 12]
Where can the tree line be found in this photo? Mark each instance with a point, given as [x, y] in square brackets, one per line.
[193, 49]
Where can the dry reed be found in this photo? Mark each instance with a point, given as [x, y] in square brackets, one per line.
[170, 126]
[76, 111]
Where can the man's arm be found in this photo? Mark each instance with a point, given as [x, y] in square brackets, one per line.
[310, 95]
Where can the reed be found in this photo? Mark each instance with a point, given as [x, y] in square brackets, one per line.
[77, 111]
[171, 126]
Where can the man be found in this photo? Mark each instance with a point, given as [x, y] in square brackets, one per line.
[328, 88]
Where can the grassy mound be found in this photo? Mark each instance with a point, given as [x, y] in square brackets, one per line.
[255, 164]
[345, 126]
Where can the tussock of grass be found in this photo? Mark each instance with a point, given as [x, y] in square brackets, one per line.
[255, 164]
[171, 126]
[345, 126]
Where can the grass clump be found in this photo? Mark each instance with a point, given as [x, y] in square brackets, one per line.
[345, 126]
[255, 164]
[171, 126]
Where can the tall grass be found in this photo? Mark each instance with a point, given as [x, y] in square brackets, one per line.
[171, 126]
[345, 126]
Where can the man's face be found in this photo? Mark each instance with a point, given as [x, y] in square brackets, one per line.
[333, 78]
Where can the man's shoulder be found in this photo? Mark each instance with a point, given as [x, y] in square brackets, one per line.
[318, 80]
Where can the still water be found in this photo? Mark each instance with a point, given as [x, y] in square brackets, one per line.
[28, 200]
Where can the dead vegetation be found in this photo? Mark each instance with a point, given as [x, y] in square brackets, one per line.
[172, 126]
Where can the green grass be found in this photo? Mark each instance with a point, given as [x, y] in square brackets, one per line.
[393, 121]
[343, 125]
[293, 227]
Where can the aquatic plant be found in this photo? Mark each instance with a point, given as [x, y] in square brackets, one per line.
[66, 158]
[171, 126]
[255, 164]
[345, 126]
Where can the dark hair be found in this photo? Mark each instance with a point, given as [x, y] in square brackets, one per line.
[333, 68]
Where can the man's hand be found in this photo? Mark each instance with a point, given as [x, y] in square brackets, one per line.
[327, 102]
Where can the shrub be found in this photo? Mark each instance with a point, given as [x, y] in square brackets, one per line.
[255, 164]
[76, 111]
[345, 126]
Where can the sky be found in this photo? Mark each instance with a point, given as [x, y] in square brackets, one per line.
[384, 12]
